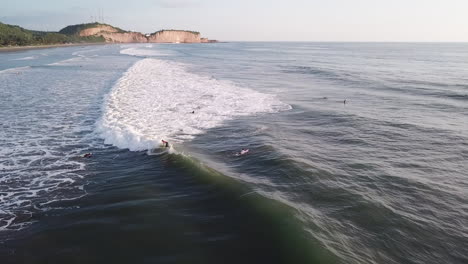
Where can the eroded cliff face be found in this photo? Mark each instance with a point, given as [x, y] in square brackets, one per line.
[112, 34]
[128, 37]
[115, 35]
[96, 30]
[175, 36]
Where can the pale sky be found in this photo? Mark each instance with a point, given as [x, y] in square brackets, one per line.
[258, 20]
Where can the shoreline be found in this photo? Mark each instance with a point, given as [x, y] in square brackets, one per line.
[22, 48]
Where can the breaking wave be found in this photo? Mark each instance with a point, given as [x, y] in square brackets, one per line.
[157, 99]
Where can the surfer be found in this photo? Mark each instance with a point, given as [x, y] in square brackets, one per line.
[88, 155]
[242, 152]
[165, 143]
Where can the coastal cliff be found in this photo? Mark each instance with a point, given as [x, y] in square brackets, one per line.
[98, 29]
[12, 35]
[175, 36]
[127, 37]
[117, 35]
[112, 34]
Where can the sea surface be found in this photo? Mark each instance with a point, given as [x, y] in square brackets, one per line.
[357, 153]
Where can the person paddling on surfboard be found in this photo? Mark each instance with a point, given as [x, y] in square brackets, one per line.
[88, 155]
[165, 143]
[242, 152]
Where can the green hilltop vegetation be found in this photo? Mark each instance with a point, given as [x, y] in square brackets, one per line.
[75, 29]
[11, 35]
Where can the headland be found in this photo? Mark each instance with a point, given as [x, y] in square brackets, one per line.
[14, 37]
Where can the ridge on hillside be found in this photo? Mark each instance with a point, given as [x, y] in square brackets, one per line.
[109, 33]
[78, 28]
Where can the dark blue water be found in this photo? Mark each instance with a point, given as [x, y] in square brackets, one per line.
[378, 178]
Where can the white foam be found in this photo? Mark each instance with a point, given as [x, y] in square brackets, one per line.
[154, 100]
[84, 51]
[26, 58]
[15, 70]
[145, 52]
[41, 138]
[70, 61]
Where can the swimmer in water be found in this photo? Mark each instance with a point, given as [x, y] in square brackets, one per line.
[88, 155]
[165, 143]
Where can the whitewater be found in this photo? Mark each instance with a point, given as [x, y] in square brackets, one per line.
[157, 100]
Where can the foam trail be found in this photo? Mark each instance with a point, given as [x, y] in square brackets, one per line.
[15, 70]
[154, 100]
[70, 61]
[145, 52]
[26, 58]
[83, 52]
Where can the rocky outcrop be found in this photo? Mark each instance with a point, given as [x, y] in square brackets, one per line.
[175, 36]
[205, 40]
[127, 37]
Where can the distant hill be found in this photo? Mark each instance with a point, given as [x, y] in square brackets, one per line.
[108, 32]
[11, 35]
[76, 29]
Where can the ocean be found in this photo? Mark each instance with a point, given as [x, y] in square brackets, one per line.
[357, 153]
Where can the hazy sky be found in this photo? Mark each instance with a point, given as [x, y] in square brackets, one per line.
[264, 20]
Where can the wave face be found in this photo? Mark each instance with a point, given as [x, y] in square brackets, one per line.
[155, 99]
